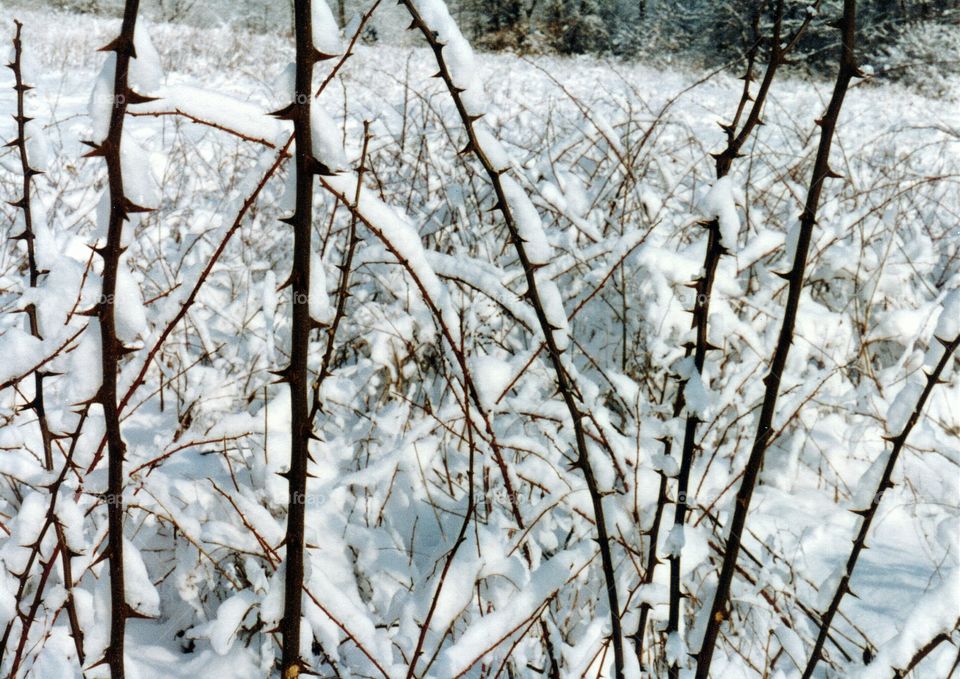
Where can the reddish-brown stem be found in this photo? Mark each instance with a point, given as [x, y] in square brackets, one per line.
[564, 384]
[868, 514]
[111, 347]
[37, 403]
[295, 374]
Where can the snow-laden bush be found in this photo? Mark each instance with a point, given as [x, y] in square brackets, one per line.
[611, 177]
[925, 56]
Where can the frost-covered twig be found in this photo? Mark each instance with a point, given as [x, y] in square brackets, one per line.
[391, 236]
[191, 297]
[343, 288]
[737, 136]
[821, 171]
[868, 514]
[548, 325]
[37, 402]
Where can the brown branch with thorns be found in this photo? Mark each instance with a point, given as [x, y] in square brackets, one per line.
[565, 385]
[703, 287]
[295, 374]
[112, 349]
[821, 172]
[37, 402]
[867, 515]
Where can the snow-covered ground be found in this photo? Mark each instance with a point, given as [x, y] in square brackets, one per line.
[615, 160]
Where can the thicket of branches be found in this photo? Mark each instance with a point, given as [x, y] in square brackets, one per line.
[363, 379]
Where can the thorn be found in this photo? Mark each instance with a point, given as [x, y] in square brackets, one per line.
[316, 167]
[97, 151]
[283, 374]
[291, 220]
[316, 56]
[137, 98]
[104, 556]
[102, 661]
[286, 113]
[130, 612]
[785, 275]
[125, 350]
[122, 44]
[830, 173]
[129, 207]
[860, 512]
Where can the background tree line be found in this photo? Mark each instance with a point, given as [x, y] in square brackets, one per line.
[896, 34]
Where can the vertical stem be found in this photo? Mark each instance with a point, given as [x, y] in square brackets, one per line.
[295, 374]
[565, 385]
[111, 347]
[821, 171]
[37, 404]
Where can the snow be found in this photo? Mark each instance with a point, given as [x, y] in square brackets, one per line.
[903, 406]
[320, 309]
[130, 316]
[720, 204]
[436, 284]
[222, 630]
[138, 589]
[327, 147]
[936, 612]
[146, 73]
[20, 351]
[528, 222]
[487, 631]
[215, 107]
[492, 375]
[139, 184]
[948, 326]
[457, 52]
[554, 311]
[675, 541]
[326, 34]
[100, 106]
[491, 147]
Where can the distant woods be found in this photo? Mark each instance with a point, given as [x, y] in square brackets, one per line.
[712, 32]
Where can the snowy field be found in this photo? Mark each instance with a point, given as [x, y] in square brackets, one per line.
[447, 534]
